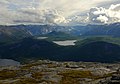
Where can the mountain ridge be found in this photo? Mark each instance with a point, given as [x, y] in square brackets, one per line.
[98, 51]
[88, 30]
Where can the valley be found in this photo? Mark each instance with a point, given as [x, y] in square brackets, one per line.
[59, 41]
[59, 45]
[44, 56]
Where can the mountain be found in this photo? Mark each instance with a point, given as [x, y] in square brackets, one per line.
[87, 30]
[94, 42]
[58, 36]
[10, 34]
[98, 30]
[99, 51]
[55, 33]
[99, 38]
[41, 29]
[28, 48]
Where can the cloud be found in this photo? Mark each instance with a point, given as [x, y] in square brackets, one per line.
[105, 15]
[77, 20]
[42, 16]
[102, 19]
[55, 18]
[61, 12]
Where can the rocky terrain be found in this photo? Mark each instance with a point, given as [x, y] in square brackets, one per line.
[52, 72]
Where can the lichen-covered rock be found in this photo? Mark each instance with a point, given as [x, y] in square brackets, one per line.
[51, 72]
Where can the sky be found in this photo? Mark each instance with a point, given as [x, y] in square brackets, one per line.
[60, 12]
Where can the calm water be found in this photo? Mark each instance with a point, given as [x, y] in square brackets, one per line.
[65, 43]
[8, 62]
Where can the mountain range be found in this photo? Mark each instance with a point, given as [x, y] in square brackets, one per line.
[88, 30]
[95, 50]
[99, 43]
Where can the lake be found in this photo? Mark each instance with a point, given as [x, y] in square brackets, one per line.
[66, 42]
[8, 62]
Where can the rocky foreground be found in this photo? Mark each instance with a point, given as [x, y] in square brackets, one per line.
[51, 72]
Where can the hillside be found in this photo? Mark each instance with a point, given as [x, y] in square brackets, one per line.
[11, 34]
[58, 35]
[29, 48]
[98, 50]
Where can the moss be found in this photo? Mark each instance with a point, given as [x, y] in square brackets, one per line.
[73, 76]
[105, 76]
[26, 80]
[28, 66]
[48, 82]
[6, 74]
[37, 75]
[52, 65]
[4, 83]
[69, 80]
[76, 74]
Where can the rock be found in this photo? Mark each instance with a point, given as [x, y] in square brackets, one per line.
[52, 72]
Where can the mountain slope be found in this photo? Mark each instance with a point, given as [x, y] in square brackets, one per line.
[98, 30]
[58, 35]
[29, 48]
[99, 51]
[8, 34]
[87, 30]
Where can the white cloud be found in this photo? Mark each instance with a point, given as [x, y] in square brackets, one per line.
[104, 15]
[55, 12]
[36, 15]
[77, 20]
[102, 19]
[55, 18]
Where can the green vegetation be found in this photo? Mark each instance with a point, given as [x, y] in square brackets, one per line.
[99, 49]
[58, 36]
[6, 74]
[114, 40]
[73, 76]
[26, 80]
[37, 75]
[76, 74]
[28, 66]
